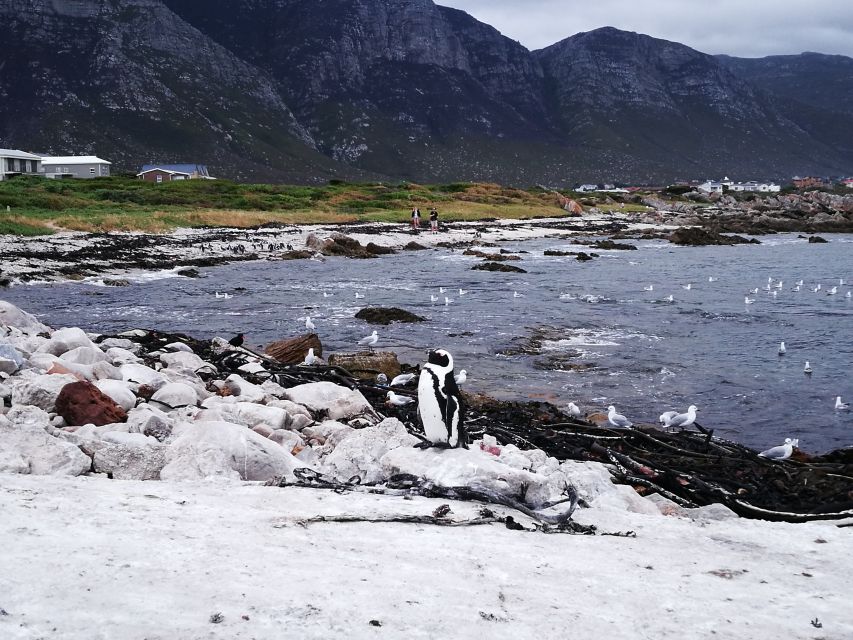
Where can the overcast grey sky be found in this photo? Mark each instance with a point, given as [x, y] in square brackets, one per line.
[748, 28]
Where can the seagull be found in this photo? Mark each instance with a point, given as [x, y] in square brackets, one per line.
[782, 349]
[462, 292]
[326, 294]
[769, 279]
[684, 419]
[381, 379]
[370, 340]
[779, 285]
[310, 358]
[358, 295]
[516, 294]
[574, 410]
[767, 287]
[797, 288]
[754, 291]
[447, 301]
[841, 281]
[433, 298]
[224, 296]
[398, 401]
[782, 452]
[807, 369]
[799, 283]
[461, 377]
[669, 298]
[748, 300]
[775, 293]
[841, 406]
[832, 291]
[666, 416]
[442, 290]
[308, 324]
[848, 295]
[816, 289]
[402, 379]
[711, 279]
[651, 287]
[617, 420]
[687, 286]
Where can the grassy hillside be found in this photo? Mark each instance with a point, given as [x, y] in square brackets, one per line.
[33, 206]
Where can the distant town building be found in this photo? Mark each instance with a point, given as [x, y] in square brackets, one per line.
[753, 186]
[172, 172]
[16, 163]
[74, 167]
[808, 181]
[711, 186]
[587, 187]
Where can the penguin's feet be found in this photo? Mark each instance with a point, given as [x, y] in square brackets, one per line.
[423, 444]
[443, 445]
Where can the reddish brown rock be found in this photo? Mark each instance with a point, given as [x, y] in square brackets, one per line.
[294, 350]
[366, 365]
[82, 403]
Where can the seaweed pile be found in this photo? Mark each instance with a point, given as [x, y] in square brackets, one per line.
[692, 468]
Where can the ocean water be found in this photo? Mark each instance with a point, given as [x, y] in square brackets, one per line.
[637, 350]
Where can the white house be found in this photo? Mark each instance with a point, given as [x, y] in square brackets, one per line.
[753, 186]
[74, 167]
[711, 186]
[17, 163]
[587, 187]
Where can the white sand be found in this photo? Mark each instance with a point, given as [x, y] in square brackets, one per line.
[96, 559]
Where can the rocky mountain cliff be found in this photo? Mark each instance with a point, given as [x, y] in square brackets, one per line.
[303, 90]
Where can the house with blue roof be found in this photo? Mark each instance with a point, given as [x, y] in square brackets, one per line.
[171, 172]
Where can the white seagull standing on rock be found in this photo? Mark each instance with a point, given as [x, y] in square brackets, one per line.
[397, 400]
[461, 377]
[666, 416]
[310, 358]
[683, 420]
[616, 419]
[370, 340]
[574, 410]
[782, 452]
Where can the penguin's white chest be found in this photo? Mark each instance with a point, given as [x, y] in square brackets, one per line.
[430, 409]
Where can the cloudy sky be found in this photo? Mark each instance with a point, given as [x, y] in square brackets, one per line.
[748, 28]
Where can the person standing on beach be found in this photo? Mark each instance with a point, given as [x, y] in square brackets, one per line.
[433, 220]
[416, 219]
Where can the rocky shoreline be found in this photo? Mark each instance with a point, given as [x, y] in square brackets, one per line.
[701, 220]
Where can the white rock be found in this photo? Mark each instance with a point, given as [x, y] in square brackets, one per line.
[287, 439]
[40, 391]
[273, 389]
[12, 316]
[188, 361]
[149, 421]
[337, 402]
[105, 371]
[358, 454]
[29, 417]
[299, 422]
[251, 367]
[119, 356]
[198, 450]
[84, 355]
[174, 395]
[328, 433]
[251, 415]
[66, 339]
[244, 389]
[30, 449]
[128, 439]
[119, 392]
[140, 374]
[10, 358]
[119, 343]
[178, 346]
[292, 408]
[130, 462]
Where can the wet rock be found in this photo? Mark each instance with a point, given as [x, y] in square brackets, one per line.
[610, 245]
[334, 401]
[414, 246]
[387, 315]
[82, 403]
[496, 266]
[338, 245]
[294, 350]
[378, 250]
[366, 365]
[189, 273]
[116, 282]
[201, 448]
[817, 240]
[696, 237]
[583, 257]
[493, 257]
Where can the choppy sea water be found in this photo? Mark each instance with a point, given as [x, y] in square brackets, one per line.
[643, 353]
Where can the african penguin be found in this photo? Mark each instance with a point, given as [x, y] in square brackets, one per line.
[440, 404]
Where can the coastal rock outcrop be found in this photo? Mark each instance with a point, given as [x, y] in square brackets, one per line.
[294, 350]
[496, 266]
[387, 315]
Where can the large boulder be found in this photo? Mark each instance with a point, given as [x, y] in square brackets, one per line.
[140, 374]
[119, 392]
[25, 447]
[184, 360]
[244, 389]
[40, 391]
[82, 403]
[366, 365]
[12, 316]
[294, 350]
[336, 402]
[130, 461]
[387, 315]
[10, 359]
[358, 454]
[64, 340]
[174, 395]
[697, 237]
[496, 266]
[200, 448]
[149, 421]
[84, 355]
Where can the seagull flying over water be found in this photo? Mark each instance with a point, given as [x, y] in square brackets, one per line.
[754, 291]
[616, 419]
[782, 452]
[447, 301]
[832, 291]
[841, 406]
[711, 279]
[441, 289]
[848, 295]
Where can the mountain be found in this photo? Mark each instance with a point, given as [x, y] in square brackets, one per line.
[130, 81]
[305, 90]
